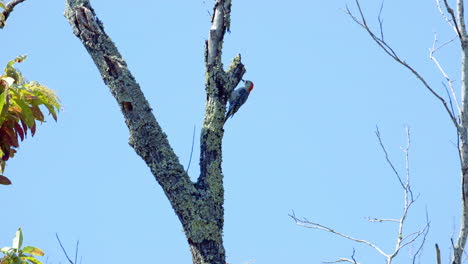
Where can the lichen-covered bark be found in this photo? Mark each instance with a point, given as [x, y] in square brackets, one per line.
[199, 205]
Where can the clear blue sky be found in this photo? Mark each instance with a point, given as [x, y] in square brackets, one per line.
[304, 141]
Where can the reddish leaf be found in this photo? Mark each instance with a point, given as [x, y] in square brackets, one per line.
[4, 138]
[19, 131]
[33, 129]
[37, 113]
[11, 137]
[26, 112]
[4, 180]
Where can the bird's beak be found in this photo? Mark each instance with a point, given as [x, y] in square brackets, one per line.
[243, 80]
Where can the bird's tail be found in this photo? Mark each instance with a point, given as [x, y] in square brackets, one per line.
[228, 114]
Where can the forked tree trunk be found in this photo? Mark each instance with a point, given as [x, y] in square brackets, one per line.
[199, 205]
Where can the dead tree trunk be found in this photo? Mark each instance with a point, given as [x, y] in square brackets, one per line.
[199, 205]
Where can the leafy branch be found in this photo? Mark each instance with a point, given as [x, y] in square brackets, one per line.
[20, 108]
[18, 255]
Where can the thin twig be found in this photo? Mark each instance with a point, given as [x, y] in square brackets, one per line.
[63, 249]
[377, 220]
[191, 151]
[402, 240]
[418, 252]
[406, 151]
[389, 50]
[454, 19]
[381, 20]
[439, 260]
[442, 71]
[342, 260]
[76, 251]
[449, 97]
[377, 133]
[308, 224]
[408, 201]
[448, 20]
[352, 256]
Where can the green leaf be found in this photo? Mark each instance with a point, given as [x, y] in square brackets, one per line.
[2, 5]
[32, 260]
[47, 96]
[52, 111]
[5, 249]
[27, 114]
[10, 71]
[18, 240]
[2, 104]
[20, 58]
[33, 251]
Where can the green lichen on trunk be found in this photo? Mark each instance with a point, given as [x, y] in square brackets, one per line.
[199, 206]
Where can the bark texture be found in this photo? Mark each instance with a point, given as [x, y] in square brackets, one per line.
[462, 133]
[199, 205]
[462, 129]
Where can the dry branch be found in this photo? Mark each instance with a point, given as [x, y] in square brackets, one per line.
[391, 52]
[402, 240]
[456, 21]
[7, 11]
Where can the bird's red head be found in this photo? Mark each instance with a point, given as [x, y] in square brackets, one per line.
[249, 85]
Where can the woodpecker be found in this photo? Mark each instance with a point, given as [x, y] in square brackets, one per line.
[238, 98]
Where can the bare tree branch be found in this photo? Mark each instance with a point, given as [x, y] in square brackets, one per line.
[377, 220]
[63, 249]
[454, 20]
[343, 260]
[76, 250]
[402, 240]
[450, 21]
[449, 80]
[380, 19]
[146, 136]
[308, 224]
[6, 13]
[387, 49]
[421, 245]
[439, 260]
[352, 260]
[400, 180]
